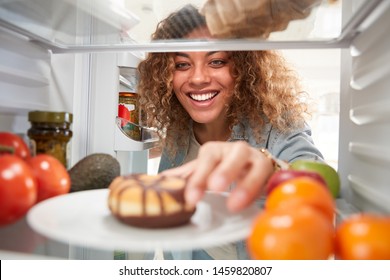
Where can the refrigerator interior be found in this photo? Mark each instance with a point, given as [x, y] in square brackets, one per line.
[71, 56]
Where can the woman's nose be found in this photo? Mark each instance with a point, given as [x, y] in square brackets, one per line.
[199, 76]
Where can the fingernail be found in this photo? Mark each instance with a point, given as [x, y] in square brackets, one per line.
[217, 183]
[237, 200]
[192, 196]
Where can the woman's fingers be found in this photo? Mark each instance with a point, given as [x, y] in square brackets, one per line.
[233, 163]
[209, 157]
[183, 171]
[219, 165]
[249, 187]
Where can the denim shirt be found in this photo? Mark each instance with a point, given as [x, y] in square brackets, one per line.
[290, 146]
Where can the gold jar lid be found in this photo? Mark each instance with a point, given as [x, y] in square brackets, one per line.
[127, 94]
[47, 116]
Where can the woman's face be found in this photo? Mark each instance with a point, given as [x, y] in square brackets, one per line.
[202, 82]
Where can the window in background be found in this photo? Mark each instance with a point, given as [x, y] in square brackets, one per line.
[320, 74]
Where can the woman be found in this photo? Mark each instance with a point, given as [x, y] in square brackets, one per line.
[215, 110]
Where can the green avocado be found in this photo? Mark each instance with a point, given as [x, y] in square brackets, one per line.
[95, 171]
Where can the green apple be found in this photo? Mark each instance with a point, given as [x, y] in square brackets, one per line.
[329, 174]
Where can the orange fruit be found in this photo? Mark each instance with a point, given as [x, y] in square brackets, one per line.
[327, 172]
[302, 190]
[363, 237]
[299, 233]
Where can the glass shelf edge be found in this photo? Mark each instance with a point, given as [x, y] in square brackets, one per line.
[201, 46]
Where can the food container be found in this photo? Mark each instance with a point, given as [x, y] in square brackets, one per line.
[127, 107]
[50, 133]
[128, 113]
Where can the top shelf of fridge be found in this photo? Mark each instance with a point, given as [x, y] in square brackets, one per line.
[127, 25]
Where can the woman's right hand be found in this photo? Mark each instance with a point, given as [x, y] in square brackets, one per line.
[220, 164]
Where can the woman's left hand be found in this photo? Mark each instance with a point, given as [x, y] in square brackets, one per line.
[220, 164]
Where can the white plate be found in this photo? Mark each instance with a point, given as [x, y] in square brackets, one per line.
[83, 219]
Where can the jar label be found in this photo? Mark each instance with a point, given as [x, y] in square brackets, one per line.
[33, 147]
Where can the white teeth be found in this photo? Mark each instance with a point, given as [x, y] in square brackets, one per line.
[203, 97]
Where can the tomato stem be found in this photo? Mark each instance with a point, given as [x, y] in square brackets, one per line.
[7, 149]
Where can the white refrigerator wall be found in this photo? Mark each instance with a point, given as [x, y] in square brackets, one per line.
[364, 151]
[31, 79]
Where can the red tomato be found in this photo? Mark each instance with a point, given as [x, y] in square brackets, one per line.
[14, 141]
[18, 189]
[52, 177]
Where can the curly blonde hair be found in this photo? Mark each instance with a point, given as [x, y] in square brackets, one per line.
[266, 90]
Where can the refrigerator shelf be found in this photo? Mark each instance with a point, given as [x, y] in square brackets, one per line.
[127, 26]
[369, 192]
[133, 137]
[21, 77]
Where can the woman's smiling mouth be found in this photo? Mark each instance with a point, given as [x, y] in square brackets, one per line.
[203, 96]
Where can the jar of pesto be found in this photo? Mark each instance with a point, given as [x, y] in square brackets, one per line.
[50, 133]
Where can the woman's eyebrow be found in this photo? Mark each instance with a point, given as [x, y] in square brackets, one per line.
[181, 54]
[211, 53]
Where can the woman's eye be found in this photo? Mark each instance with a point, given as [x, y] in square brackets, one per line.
[218, 63]
[181, 65]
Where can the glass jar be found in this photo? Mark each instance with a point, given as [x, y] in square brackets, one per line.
[127, 107]
[50, 133]
[128, 111]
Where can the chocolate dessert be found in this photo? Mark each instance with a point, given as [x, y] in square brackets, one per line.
[149, 201]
